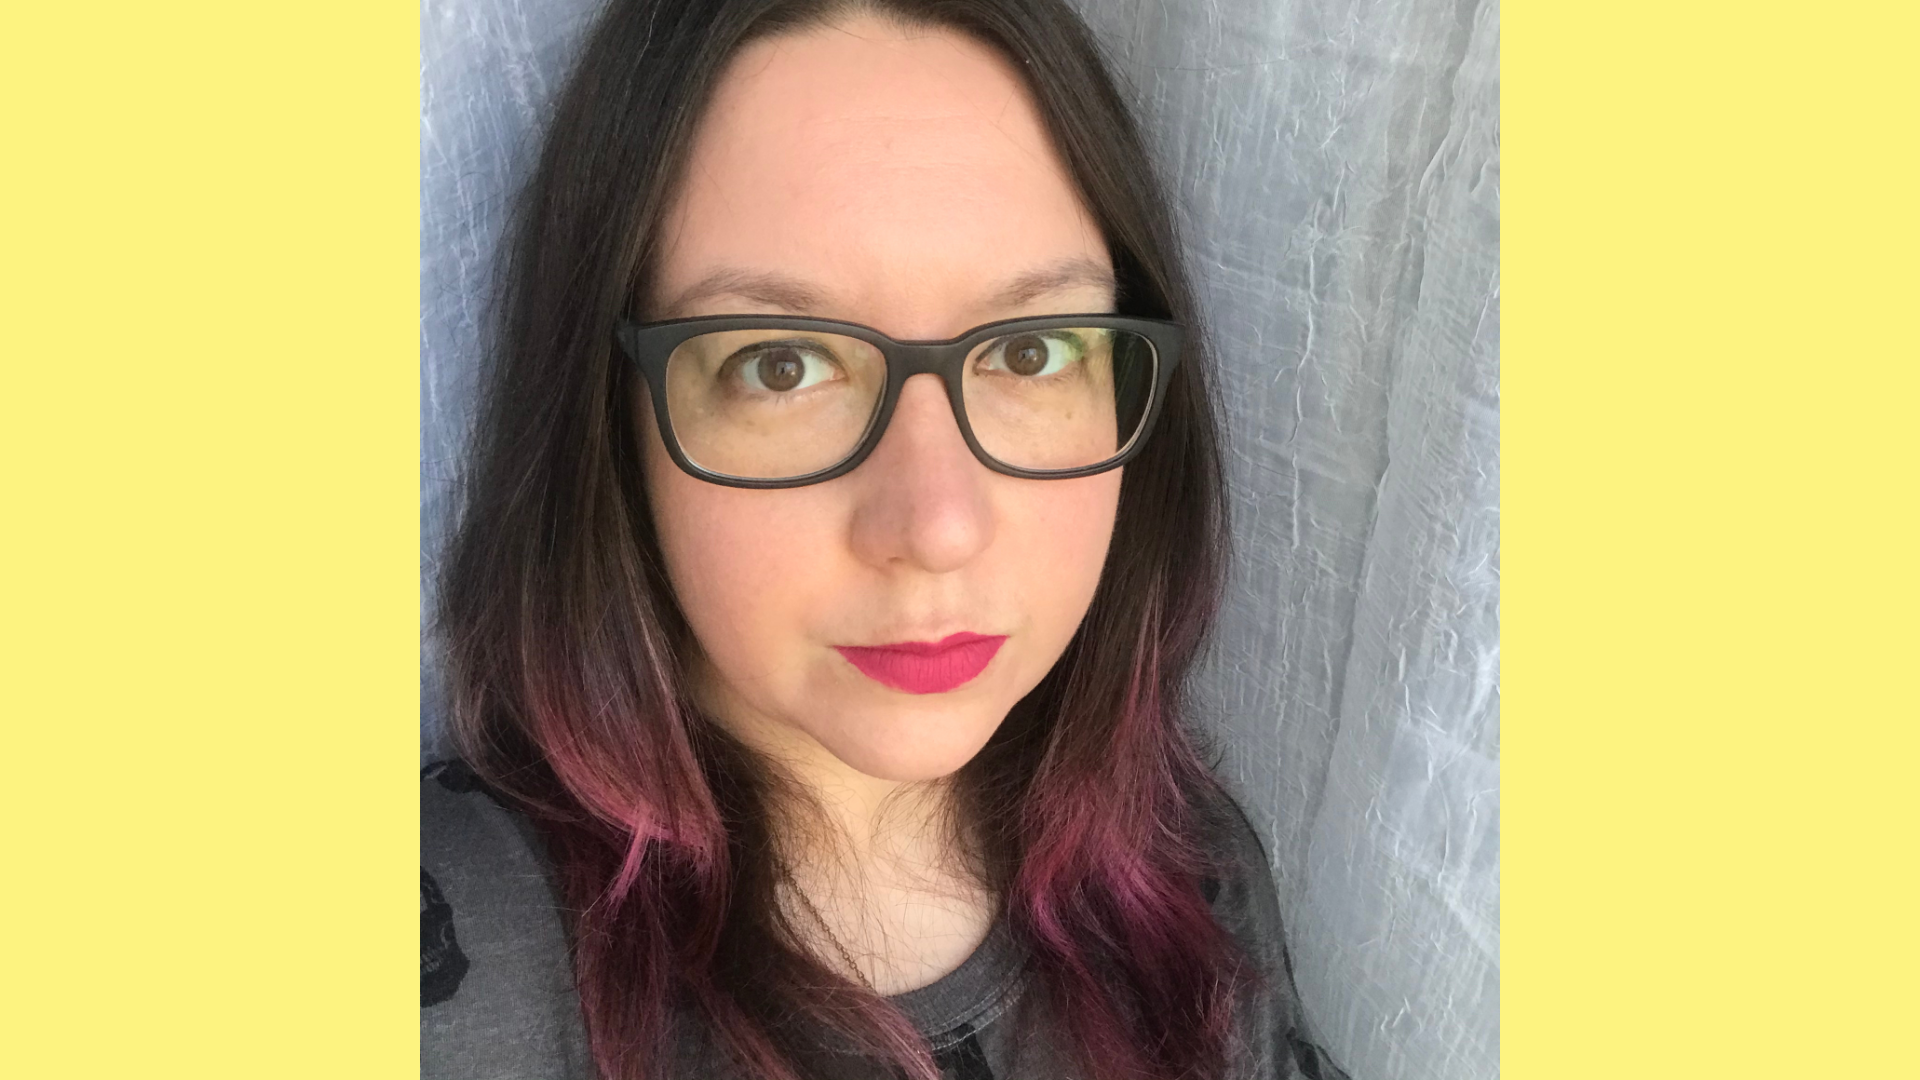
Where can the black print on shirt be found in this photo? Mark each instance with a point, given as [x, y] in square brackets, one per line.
[442, 964]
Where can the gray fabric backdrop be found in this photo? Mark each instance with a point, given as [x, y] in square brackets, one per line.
[1336, 166]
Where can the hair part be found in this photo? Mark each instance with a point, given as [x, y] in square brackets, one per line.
[568, 653]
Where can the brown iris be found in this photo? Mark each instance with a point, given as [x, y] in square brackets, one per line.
[781, 369]
[1026, 355]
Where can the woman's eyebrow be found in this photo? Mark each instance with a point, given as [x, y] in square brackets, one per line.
[1068, 273]
[774, 290]
[792, 295]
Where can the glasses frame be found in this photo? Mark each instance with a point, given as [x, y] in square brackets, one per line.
[651, 345]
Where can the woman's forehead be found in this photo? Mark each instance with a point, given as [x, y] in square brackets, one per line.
[877, 168]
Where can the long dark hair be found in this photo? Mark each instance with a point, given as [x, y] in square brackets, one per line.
[566, 645]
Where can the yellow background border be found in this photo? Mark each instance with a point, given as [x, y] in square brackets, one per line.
[210, 442]
[1709, 529]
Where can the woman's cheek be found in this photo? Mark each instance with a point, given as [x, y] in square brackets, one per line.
[1055, 554]
[747, 571]
[714, 556]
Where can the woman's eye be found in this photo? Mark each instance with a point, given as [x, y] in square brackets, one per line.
[1034, 354]
[784, 368]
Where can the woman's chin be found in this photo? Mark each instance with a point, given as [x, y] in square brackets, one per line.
[924, 744]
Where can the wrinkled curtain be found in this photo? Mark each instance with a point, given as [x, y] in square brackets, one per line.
[1335, 165]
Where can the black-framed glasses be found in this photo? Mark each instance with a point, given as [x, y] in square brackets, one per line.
[766, 401]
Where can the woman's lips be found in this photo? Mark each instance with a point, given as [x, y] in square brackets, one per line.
[925, 667]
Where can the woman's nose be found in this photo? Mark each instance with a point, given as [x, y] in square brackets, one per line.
[923, 499]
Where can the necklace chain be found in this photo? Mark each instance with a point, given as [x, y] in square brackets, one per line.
[833, 939]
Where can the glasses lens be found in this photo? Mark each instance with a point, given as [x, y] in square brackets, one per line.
[772, 404]
[1059, 399]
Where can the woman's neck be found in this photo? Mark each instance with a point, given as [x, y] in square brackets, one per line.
[878, 874]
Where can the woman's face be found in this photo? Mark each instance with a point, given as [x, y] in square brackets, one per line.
[900, 179]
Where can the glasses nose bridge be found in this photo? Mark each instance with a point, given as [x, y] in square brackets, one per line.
[942, 360]
[925, 358]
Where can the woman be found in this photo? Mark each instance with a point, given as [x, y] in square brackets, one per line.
[818, 665]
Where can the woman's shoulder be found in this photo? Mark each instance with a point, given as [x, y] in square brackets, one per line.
[1246, 904]
[1239, 882]
[496, 982]
[465, 823]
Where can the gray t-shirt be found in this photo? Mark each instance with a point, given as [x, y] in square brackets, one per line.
[496, 984]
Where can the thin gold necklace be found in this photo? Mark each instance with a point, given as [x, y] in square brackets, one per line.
[819, 920]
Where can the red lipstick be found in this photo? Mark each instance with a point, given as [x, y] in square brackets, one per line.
[925, 667]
